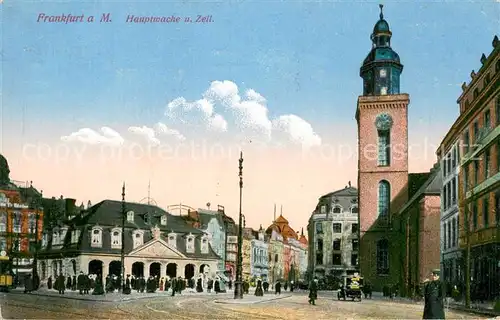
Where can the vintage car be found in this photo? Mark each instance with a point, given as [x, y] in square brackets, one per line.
[351, 288]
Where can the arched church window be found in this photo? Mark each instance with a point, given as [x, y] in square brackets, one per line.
[384, 123]
[384, 198]
[383, 256]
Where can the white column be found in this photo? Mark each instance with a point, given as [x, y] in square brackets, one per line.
[163, 270]
[146, 270]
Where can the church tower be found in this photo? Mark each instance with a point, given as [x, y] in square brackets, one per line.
[382, 117]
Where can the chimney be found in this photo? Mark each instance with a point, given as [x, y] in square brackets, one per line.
[349, 184]
[69, 206]
[220, 208]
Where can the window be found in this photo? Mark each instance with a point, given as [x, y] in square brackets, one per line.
[454, 191]
[384, 194]
[454, 232]
[319, 228]
[354, 209]
[354, 259]
[163, 221]
[319, 245]
[146, 218]
[476, 131]
[75, 234]
[31, 223]
[466, 177]
[498, 156]
[17, 222]
[337, 209]
[445, 196]
[190, 244]
[487, 119]
[476, 93]
[138, 236]
[96, 237]
[383, 257]
[204, 245]
[486, 212]
[466, 142]
[116, 238]
[454, 158]
[172, 240]
[3, 244]
[497, 208]
[474, 216]
[130, 216]
[497, 111]
[449, 235]
[384, 147]
[487, 163]
[445, 243]
[337, 228]
[319, 258]
[56, 237]
[3, 221]
[323, 209]
[16, 245]
[354, 228]
[337, 244]
[476, 172]
[337, 259]
[355, 244]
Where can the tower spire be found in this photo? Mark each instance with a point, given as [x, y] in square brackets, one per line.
[274, 219]
[281, 210]
[381, 11]
[302, 232]
[123, 192]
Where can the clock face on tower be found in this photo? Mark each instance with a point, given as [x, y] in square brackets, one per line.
[383, 121]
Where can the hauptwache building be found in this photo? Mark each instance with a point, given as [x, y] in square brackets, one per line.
[156, 242]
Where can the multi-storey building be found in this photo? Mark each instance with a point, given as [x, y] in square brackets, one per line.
[451, 258]
[303, 256]
[478, 125]
[275, 256]
[333, 234]
[231, 254]
[156, 243]
[246, 251]
[383, 180]
[259, 256]
[21, 222]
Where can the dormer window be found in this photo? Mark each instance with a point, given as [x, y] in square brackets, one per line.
[130, 216]
[55, 237]
[96, 237]
[190, 244]
[116, 238]
[138, 237]
[62, 234]
[172, 240]
[75, 235]
[146, 218]
[337, 209]
[204, 244]
[354, 209]
[44, 240]
[163, 220]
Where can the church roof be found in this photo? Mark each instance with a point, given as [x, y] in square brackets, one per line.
[281, 219]
[431, 186]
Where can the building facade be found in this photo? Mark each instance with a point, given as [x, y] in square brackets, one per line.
[478, 125]
[451, 255]
[275, 256]
[259, 255]
[418, 225]
[333, 234]
[246, 250]
[156, 243]
[21, 222]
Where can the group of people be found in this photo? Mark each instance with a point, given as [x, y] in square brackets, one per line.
[83, 283]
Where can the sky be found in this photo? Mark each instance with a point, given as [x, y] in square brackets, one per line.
[89, 105]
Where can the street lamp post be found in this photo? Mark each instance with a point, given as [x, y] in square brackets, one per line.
[238, 285]
[123, 240]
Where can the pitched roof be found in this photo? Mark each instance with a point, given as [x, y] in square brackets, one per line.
[348, 191]
[430, 186]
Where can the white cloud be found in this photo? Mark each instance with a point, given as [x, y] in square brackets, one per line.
[250, 115]
[147, 132]
[162, 129]
[298, 130]
[107, 136]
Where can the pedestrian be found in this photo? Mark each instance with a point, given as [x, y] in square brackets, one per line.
[60, 284]
[258, 290]
[210, 285]
[313, 291]
[28, 284]
[433, 293]
[277, 288]
[199, 287]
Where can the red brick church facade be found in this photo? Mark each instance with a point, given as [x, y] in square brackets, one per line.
[383, 180]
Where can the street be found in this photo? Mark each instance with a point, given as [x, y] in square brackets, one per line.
[22, 306]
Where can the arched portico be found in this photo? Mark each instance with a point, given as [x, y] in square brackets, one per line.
[95, 267]
[189, 271]
[115, 268]
[172, 270]
[155, 269]
[138, 269]
[204, 268]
